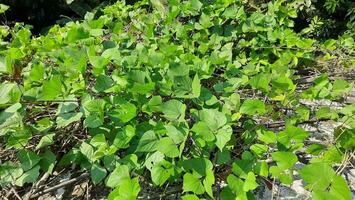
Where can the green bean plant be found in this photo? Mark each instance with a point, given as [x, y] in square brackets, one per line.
[186, 93]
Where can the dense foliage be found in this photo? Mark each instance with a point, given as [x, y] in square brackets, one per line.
[327, 18]
[43, 13]
[190, 93]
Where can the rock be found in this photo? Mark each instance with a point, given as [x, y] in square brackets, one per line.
[349, 176]
[80, 189]
[295, 191]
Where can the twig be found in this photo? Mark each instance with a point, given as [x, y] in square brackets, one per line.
[345, 163]
[38, 185]
[35, 187]
[16, 194]
[272, 191]
[60, 185]
[161, 196]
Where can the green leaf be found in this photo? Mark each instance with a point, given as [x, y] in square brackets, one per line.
[250, 182]
[348, 110]
[192, 183]
[37, 72]
[262, 169]
[266, 136]
[345, 137]
[315, 149]
[158, 4]
[230, 12]
[87, 150]
[9, 93]
[19, 139]
[124, 112]
[283, 84]
[237, 187]
[48, 161]
[195, 4]
[28, 159]
[77, 33]
[99, 63]
[213, 118]
[303, 113]
[291, 138]
[223, 136]
[252, 107]
[208, 182]
[3, 8]
[259, 149]
[103, 83]
[202, 130]
[223, 157]
[318, 176]
[123, 137]
[148, 142]
[45, 141]
[168, 147]
[10, 117]
[199, 165]
[154, 105]
[330, 156]
[326, 113]
[67, 113]
[196, 87]
[97, 173]
[174, 110]
[205, 21]
[64, 120]
[116, 177]
[285, 176]
[153, 159]
[127, 189]
[161, 172]
[284, 160]
[242, 167]
[260, 81]
[52, 88]
[177, 134]
[9, 172]
[28, 177]
[340, 87]
[340, 189]
[190, 197]
[93, 121]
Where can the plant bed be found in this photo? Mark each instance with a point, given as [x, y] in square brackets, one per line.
[180, 100]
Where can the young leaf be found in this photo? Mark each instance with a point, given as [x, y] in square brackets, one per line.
[120, 173]
[48, 161]
[127, 189]
[223, 136]
[192, 183]
[45, 141]
[28, 159]
[196, 87]
[28, 177]
[213, 118]
[124, 112]
[168, 147]
[252, 107]
[97, 173]
[284, 160]
[52, 88]
[250, 182]
[161, 172]
[148, 142]
[317, 175]
[174, 110]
